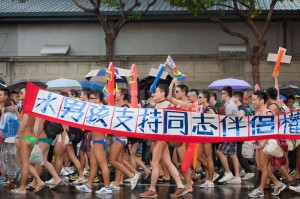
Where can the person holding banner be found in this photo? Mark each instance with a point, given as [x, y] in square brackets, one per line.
[238, 97]
[205, 149]
[229, 148]
[259, 100]
[160, 152]
[62, 145]
[182, 101]
[118, 149]
[97, 156]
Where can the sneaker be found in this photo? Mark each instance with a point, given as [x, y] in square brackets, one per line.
[64, 172]
[235, 180]
[179, 192]
[207, 184]
[115, 187]
[216, 176]
[50, 182]
[69, 170]
[79, 181]
[242, 173]
[134, 180]
[96, 179]
[256, 193]
[84, 188]
[104, 190]
[148, 194]
[85, 171]
[295, 188]
[277, 190]
[226, 177]
[247, 176]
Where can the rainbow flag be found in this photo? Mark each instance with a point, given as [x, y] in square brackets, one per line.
[105, 91]
[179, 75]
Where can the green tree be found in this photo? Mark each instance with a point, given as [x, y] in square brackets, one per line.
[247, 10]
[127, 13]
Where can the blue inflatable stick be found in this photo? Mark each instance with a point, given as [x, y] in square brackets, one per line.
[160, 72]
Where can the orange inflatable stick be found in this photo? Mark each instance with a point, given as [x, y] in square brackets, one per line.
[110, 76]
[133, 86]
[195, 158]
[277, 65]
[188, 157]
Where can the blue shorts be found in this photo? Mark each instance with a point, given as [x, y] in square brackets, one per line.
[123, 141]
[103, 142]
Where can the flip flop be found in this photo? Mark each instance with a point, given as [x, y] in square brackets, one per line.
[38, 188]
[17, 192]
[55, 186]
[29, 187]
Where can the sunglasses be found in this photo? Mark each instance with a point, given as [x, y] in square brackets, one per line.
[223, 93]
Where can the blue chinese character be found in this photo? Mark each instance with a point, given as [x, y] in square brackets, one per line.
[153, 119]
[203, 125]
[292, 121]
[97, 114]
[73, 107]
[235, 123]
[46, 102]
[176, 120]
[124, 118]
[265, 124]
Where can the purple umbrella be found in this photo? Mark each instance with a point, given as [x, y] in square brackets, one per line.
[236, 84]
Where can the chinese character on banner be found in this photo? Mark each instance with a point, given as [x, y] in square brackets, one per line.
[47, 103]
[150, 121]
[290, 123]
[176, 122]
[124, 119]
[99, 116]
[205, 124]
[73, 110]
[232, 126]
[263, 125]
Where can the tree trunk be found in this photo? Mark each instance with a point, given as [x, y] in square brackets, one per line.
[256, 54]
[109, 41]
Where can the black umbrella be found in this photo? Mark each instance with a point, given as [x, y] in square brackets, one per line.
[2, 81]
[287, 89]
[22, 83]
[145, 84]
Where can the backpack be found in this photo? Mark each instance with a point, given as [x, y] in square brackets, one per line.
[52, 129]
[75, 134]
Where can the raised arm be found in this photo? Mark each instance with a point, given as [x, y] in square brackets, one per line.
[175, 102]
[276, 85]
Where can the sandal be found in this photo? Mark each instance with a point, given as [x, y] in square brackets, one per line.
[17, 192]
[38, 188]
[163, 179]
[29, 187]
[55, 186]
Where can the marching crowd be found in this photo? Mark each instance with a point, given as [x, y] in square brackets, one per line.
[94, 153]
